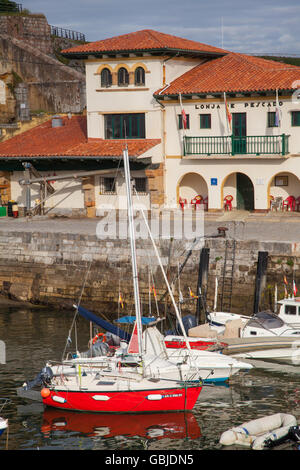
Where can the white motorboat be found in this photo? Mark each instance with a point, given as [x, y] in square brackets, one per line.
[287, 309]
[263, 336]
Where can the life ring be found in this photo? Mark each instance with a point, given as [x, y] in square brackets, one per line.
[98, 336]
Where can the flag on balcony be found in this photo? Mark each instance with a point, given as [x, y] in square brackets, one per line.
[228, 113]
[183, 114]
[277, 112]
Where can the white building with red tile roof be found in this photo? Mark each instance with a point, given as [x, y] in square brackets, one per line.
[138, 86]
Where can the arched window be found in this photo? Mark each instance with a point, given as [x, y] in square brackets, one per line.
[123, 77]
[106, 78]
[139, 76]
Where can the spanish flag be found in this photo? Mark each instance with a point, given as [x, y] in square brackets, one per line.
[228, 113]
[183, 114]
[121, 300]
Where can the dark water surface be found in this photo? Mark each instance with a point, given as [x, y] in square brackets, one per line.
[33, 336]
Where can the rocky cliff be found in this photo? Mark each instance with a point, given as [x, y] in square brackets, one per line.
[32, 78]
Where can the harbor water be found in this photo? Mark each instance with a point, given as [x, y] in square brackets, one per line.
[34, 335]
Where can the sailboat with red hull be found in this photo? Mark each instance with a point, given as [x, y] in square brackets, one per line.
[138, 389]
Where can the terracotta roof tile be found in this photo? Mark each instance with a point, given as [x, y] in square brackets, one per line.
[146, 39]
[69, 140]
[235, 73]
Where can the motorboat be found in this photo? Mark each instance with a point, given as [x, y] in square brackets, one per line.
[288, 309]
[263, 336]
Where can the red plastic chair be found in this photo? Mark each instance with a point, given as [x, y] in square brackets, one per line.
[196, 200]
[289, 203]
[182, 202]
[228, 202]
[297, 204]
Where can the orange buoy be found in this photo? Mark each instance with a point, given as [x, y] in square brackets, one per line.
[45, 392]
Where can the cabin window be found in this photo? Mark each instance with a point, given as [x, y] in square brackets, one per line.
[106, 79]
[205, 121]
[290, 310]
[125, 126]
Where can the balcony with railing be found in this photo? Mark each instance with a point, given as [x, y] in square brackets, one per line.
[232, 145]
[67, 34]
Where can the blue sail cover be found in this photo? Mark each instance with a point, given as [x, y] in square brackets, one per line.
[115, 330]
[131, 320]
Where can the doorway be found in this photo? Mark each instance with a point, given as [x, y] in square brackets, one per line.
[244, 193]
[239, 133]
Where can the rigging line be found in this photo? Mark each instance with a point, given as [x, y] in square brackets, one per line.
[152, 280]
[76, 313]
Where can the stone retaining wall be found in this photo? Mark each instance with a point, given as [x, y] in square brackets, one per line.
[50, 268]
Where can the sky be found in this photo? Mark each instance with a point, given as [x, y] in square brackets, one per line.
[253, 26]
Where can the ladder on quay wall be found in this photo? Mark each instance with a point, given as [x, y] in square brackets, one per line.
[227, 275]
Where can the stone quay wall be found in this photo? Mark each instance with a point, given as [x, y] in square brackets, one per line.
[58, 269]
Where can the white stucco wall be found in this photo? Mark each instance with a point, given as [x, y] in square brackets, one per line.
[119, 199]
[261, 174]
[70, 197]
[256, 110]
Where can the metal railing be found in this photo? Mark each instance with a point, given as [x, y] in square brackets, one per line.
[231, 145]
[10, 7]
[67, 33]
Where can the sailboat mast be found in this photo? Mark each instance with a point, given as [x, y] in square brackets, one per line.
[133, 250]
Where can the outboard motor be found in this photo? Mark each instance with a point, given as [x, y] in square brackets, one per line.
[43, 378]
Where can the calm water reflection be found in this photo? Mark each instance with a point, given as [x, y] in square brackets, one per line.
[33, 336]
